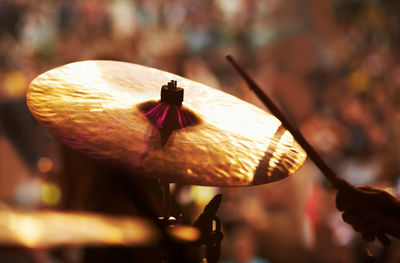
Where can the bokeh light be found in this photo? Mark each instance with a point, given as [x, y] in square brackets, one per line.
[45, 164]
[51, 194]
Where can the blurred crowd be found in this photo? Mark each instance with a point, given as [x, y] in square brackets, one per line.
[332, 65]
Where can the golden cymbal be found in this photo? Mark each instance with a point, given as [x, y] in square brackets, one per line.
[104, 108]
[47, 229]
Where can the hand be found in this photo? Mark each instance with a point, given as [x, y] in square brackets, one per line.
[373, 212]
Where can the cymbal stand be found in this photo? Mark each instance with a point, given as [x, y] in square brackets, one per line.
[169, 251]
[213, 241]
[165, 188]
[210, 227]
[208, 224]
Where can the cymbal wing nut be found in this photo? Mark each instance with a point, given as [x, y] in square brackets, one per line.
[172, 94]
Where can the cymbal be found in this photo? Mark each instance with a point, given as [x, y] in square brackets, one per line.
[104, 108]
[48, 229]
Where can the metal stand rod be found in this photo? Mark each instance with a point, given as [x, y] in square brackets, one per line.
[325, 169]
[166, 199]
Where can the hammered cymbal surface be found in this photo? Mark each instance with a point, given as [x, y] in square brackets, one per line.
[49, 228]
[93, 106]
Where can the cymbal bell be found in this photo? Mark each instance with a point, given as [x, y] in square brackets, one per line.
[49, 229]
[104, 108]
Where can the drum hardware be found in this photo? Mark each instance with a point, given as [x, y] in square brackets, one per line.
[207, 224]
[210, 228]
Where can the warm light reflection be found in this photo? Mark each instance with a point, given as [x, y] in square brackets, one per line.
[44, 229]
[286, 157]
[184, 233]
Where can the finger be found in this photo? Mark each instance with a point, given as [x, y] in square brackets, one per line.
[368, 188]
[387, 219]
[341, 202]
[349, 199]
[344, 201]
[357, 219]
[377, 196]
[371, 193]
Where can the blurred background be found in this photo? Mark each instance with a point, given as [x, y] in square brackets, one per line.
[333, 66]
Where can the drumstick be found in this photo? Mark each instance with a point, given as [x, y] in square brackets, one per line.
[325, 169]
